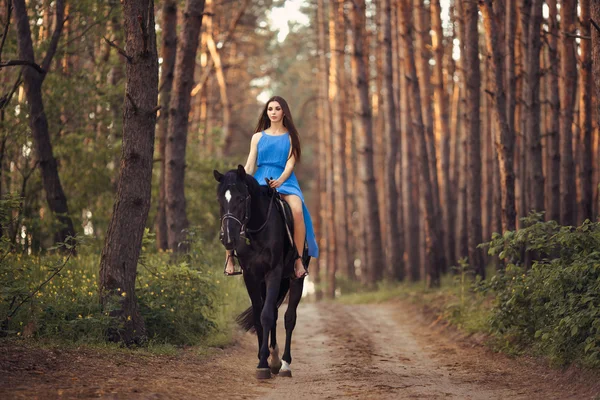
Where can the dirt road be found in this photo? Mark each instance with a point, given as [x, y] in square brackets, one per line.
[364, 352]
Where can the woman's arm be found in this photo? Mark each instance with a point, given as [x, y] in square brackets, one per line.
[289, 168]
[251, 161]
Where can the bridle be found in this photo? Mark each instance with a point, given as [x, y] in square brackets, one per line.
[243, 222]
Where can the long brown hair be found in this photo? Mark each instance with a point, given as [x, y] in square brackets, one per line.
[264, 123]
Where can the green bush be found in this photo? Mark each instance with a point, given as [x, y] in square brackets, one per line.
[553, 306]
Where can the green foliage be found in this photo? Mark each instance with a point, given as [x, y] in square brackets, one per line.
[553, 306]
[181, 302]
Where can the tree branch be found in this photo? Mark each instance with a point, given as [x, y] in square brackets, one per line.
[595, 25]
[120, 50]
[12, 63]
[224, 40]
[60, 22]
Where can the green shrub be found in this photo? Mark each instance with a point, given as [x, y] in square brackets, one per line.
[553, 306]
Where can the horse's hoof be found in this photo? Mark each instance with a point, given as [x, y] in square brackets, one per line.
[275, 368]
[285, 370]
[263, 373]
[285, 374]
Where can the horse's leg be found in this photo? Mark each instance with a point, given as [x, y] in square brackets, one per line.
[254, 291]
[296, 286]
[267, 319]
[275, 363]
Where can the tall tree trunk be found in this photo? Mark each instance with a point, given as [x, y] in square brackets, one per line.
[473, 82]
[336, 42]
[118, 263]
[568, 72]
[410, 207]
[368, 205]
[585, 117]
[422, 57]
[395, 265]
[327, 156]
[523, 108]
[595, 33]
[38, 122]
[553, 174]
[441, 126]
[532, 102]
[167, 53]
[179, 108]
[432, 241]
[504, 135]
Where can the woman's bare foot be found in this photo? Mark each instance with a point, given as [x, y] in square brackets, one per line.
[299, 270]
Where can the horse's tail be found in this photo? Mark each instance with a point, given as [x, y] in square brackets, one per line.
[246, 319]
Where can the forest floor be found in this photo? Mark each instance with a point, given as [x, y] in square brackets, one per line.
[376, 351]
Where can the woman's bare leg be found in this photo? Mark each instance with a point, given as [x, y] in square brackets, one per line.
[299, 230]
[229, 269]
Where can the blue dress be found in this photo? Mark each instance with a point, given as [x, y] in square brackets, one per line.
[273, 151]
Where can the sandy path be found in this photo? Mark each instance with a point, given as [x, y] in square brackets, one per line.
[363, 352]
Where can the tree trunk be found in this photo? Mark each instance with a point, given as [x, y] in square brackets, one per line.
[327, 155]
[38, 122]
[368, 205]
[532, 103]
[410, 207]
[473, 83]
[395, 268]
[422, 45]
[336, 42]
[118, 264]
[504, 135]
[441, 127]
[568, 72]
[553, 174]
[179, 108]
[432, 241]
[585, 117]
[168, 54]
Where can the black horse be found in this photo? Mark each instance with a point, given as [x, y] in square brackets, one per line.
[253, 226]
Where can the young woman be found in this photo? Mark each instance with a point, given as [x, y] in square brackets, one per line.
[275, 149]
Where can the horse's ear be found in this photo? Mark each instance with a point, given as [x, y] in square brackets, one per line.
[241, 171]
[218, 176]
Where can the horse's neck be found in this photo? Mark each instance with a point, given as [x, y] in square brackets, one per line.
[259, 206]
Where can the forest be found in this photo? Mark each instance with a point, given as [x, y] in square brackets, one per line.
[450, 151]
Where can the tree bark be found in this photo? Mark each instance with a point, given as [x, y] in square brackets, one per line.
[432, 241]
[473, 83]
[422, 57]
[179, 108]
[532, 103]
[568, 72]
[585, 118]
[168, 54]
[395, 266]
[504, 135]
[441, 126]
[38, 122]
[118, 263]
[368, 206]
[336, 45]
[553, 174]
[410, 207]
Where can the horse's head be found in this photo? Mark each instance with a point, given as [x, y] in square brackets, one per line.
[234, 199]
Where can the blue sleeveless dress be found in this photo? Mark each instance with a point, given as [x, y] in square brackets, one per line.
[273, 151]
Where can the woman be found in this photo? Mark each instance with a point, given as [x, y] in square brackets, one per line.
[275, 149]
